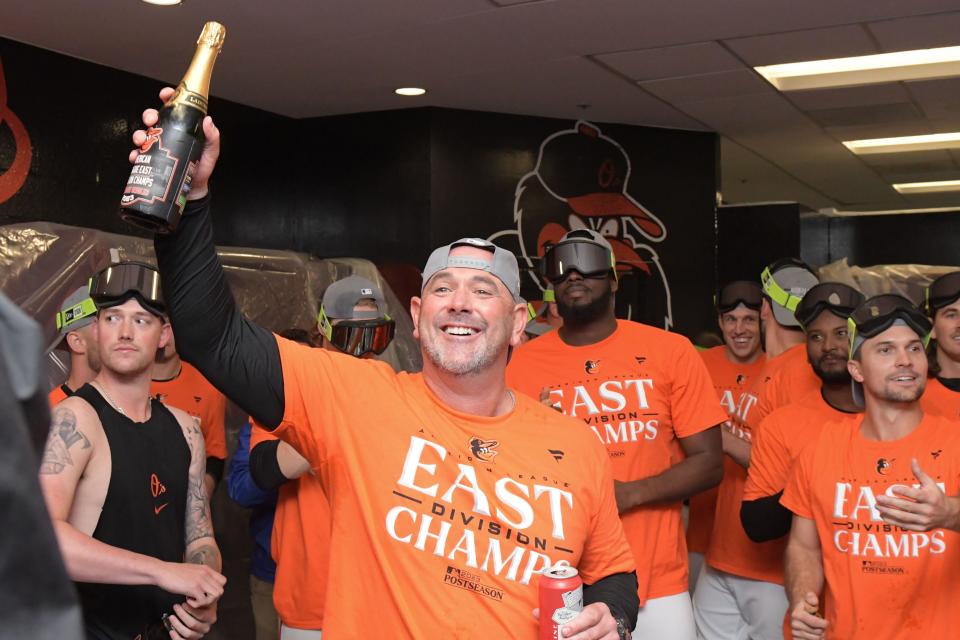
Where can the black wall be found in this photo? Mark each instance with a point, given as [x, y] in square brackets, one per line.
[386, 186]
[750, 237]
[931, 238]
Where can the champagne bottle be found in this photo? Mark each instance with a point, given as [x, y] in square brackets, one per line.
[156, 191]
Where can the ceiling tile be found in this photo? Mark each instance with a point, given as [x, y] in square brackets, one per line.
[921, 32]
[849, 96]
[671, 62]
[900, 112]
[709, 85]
[799, 46]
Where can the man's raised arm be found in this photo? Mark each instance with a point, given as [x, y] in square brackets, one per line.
[239, 357]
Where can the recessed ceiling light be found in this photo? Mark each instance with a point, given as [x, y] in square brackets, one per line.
[410, 91]
[164, 3]
[928, 187]
[920, 64]
[927, 142]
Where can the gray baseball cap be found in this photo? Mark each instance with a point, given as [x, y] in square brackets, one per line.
[343, 295]
[784, 283]
[502, 263]
[76, 312]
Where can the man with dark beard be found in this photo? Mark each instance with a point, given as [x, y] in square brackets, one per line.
[648, 397]
[823, 314]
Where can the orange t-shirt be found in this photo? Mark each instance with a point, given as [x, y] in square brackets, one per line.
[57, 395]
[189, 391]
[781, 437]
[730, 549]
[639, 391]
[300, 545]
[882, 582]
[441, 518]
[729, 381]
[941, 399]
[793, 381]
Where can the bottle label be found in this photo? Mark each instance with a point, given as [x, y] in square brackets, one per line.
[162, 172]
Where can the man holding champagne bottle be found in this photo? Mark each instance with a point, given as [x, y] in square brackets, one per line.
[449, 493]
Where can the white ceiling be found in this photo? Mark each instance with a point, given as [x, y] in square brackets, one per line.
[665, 63]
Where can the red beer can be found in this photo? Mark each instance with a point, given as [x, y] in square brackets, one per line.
[561, 600]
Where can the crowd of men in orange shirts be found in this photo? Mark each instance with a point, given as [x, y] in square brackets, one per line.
[817, 447]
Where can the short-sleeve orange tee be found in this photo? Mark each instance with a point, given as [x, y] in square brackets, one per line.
[189, 391]
[730, 549]
[729, 381]
[300, 545]
[638, 391]
[882, 582]
[942, 400]
[781, 437]
[442, 518]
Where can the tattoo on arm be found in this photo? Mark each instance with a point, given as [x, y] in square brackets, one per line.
[198, 523]
[63, 436]
[206, 554]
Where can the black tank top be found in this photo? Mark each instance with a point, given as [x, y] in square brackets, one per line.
[144, 512]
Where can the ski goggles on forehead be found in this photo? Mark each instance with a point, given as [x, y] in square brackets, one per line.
[119, 282]
[586, 258]
[745, 292]
[879, 313]
[941, 292]
[359, 337]
[833, 296]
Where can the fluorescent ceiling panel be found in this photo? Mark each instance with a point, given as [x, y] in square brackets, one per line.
[920, 64]
[927, 187]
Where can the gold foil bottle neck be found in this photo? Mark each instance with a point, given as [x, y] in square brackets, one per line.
[212, 35]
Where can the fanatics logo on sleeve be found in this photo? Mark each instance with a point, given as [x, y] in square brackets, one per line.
[556, 453]
[591, 366]
[483, 450]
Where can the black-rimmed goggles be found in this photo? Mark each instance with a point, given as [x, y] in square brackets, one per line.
[119, 282]
[589, 259]
[740, 292]
[942, 292]
[877, 314]
[836, 297]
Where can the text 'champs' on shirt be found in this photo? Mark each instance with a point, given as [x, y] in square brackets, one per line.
[637, 392]
[882, 582]
[443, 519]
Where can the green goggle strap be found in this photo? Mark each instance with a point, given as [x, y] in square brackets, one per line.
[85, 309]
[776, 293]
[531, 312]
[549, 295]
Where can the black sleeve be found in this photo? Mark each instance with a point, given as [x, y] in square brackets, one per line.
[765, 519]
[619, 592]
[240, 358]
[264, 467]
[215, 469]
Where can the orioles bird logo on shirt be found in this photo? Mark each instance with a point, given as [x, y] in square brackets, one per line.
[883, 464]
[483, 450]
[591, 366]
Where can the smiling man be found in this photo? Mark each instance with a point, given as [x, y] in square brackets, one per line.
[435, 534]
[874, 535]
[943, 308]
[646, 395]
[122, 476]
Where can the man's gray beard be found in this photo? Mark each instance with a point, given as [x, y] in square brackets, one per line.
[481, 360]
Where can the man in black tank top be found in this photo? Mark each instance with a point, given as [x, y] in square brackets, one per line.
[123, 479]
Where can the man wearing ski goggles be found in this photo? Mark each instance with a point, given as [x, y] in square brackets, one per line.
[942, 302]
[866, 491]
[823, 314]
[353, 318]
